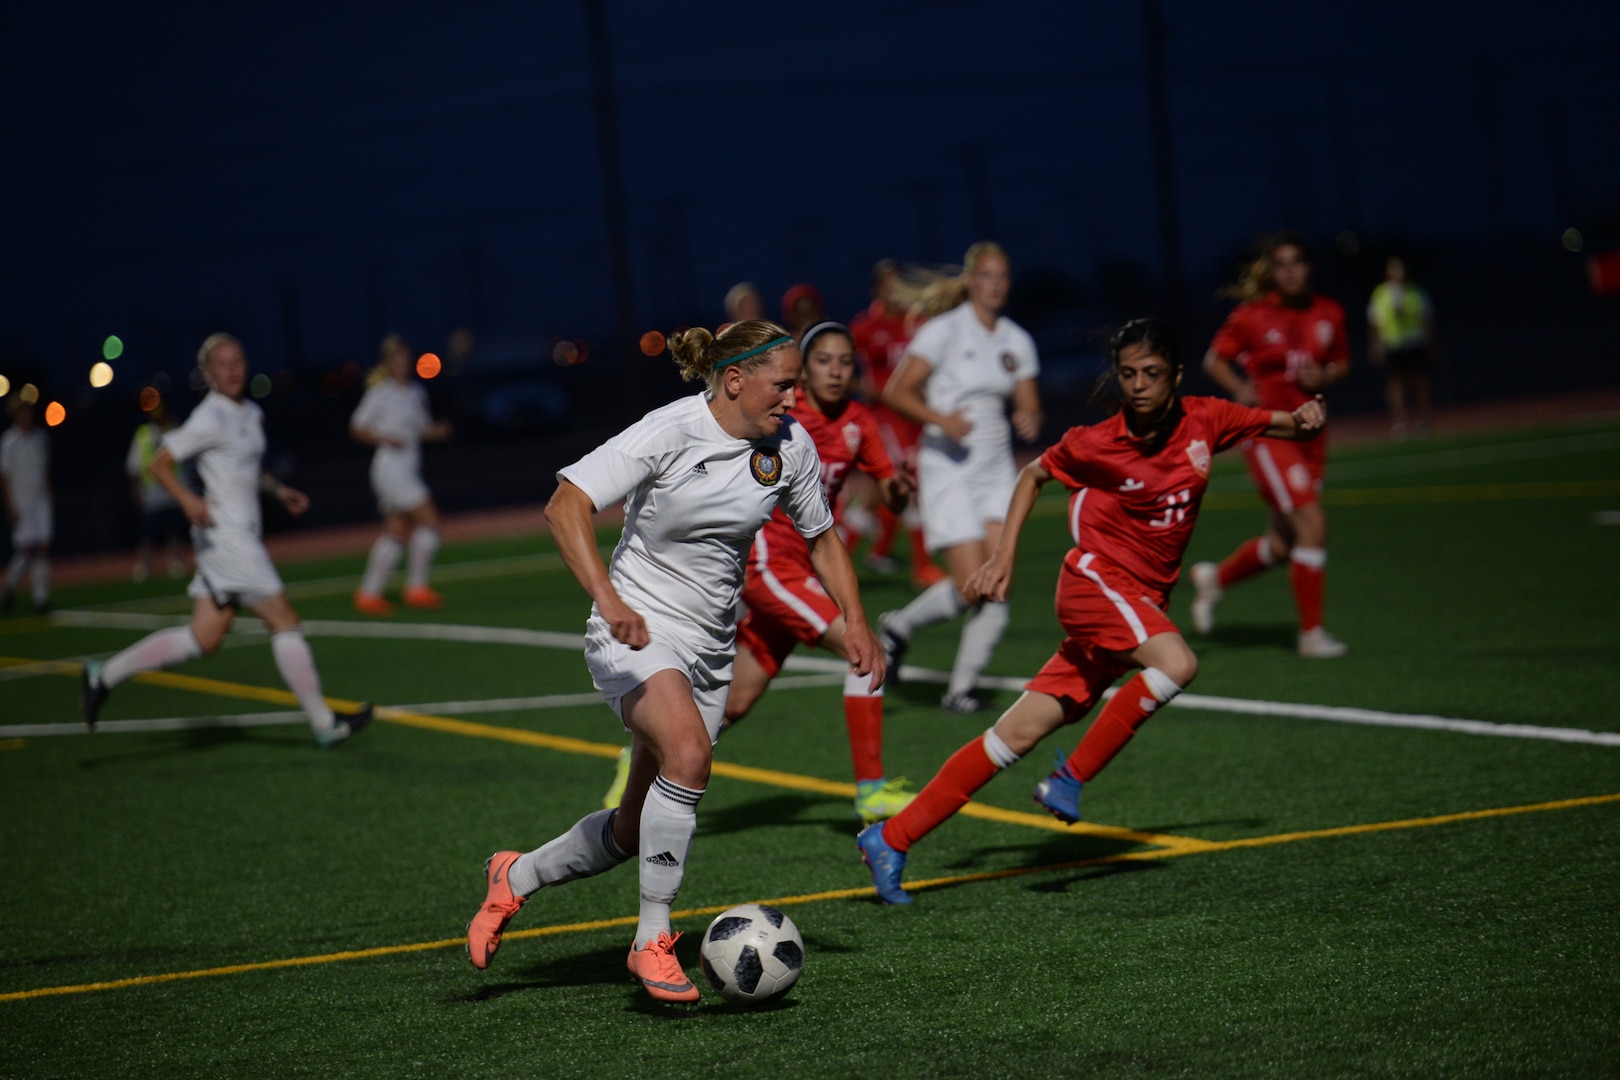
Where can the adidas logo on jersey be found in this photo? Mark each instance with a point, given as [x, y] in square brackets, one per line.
[700, 469]
[663, 858]
[1132, 484]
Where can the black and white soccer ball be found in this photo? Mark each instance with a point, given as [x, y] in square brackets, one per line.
[752, 953]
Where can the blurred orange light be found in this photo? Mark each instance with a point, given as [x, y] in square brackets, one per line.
[428, 366]
[54, 414]
[564, 353]
[150, 399]
[652, 343]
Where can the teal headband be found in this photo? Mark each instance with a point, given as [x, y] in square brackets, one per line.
[755, 351]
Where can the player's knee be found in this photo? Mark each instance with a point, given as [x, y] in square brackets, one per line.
[1180, 664]
[686, 761]
[209, 639]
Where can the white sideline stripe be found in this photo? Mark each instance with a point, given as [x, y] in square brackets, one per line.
[829, 671]
[452, 708]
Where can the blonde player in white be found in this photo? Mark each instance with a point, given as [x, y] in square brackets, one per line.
[698, 479]
[956, 379]
[225, 435]
[25, 467]
[393, 416]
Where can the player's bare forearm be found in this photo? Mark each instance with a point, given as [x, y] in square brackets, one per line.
[1304, 423]
[1226, 376]
[570, 515]
[836, 571]
[904, 393]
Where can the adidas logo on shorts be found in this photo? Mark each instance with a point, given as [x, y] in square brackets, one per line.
[700, 469]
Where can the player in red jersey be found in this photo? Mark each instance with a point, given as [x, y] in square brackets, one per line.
[1137, 480]
[1280, 346]
[786, 603]
[882, 332]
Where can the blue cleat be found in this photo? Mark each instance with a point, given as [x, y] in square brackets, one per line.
[885, 863]
[1059, 794]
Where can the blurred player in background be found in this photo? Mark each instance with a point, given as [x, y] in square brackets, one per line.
[225, 435]
[394, 417]
[802, 307]
[958, 375]
[1279, 347]
[698, 477]
[1400, 333]
[25, 483]
[161, 520]
[1137, 479]
[743, 303]
[882, 333]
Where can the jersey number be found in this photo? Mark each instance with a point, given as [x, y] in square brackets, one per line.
[1175, 509]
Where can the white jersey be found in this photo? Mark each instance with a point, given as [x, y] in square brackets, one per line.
[25, 459]
[694, 498]
[227, 440]
[396, 411]
[974, 372]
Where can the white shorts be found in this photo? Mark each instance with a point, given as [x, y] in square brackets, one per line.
[398, 492]
[33, 524]
[958, 491]
[233, 569]
[616, 670]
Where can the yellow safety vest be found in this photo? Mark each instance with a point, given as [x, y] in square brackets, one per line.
[1400, 324]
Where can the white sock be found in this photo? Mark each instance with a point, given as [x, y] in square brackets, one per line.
[586, 849]
[935, 604]
[297, 666]
[160, 649]
[42, 581]
[380, 565]
[14, 569]
[424, 543]
[668, 823]
[980, 635]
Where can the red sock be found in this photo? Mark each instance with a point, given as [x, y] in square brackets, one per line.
[888, 525]
[965, 772]
[921, 561]
[1125, 712]
[1251, 557]
[863, 715]
[1310, 582]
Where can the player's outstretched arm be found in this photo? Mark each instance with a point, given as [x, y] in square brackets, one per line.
[569, 514]
[1305, 422]
[993, 580]
[837, 574]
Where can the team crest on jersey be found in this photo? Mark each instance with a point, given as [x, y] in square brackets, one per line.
[766, 465]
[852, 437]
[1324, 332]
[1009, 362]
[1198, 454]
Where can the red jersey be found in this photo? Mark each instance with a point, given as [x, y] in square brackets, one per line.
[1137, 511]
[1271, 341]
[850, 438]
[881, 340]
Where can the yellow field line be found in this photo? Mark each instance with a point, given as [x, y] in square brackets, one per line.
[13, 744]
[564, 744]
[832, 894]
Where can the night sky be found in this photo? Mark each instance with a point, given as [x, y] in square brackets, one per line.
[312, 176]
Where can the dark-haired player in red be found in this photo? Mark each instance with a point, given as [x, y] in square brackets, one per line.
[1137, 480]
[786, 603]
[881, 334]
[1280, 346]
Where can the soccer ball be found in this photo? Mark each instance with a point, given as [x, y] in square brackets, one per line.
[752, 953]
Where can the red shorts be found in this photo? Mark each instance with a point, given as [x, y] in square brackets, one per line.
[786, 606]
[1106, 613]
[1288, 473]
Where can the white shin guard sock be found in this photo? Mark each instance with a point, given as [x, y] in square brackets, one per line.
[42, 581]
[424, 544]
[380, 564]
[297, 666]
[583, 851]
[980, 636]
[935, 604]
[668, 823]
[160, 649]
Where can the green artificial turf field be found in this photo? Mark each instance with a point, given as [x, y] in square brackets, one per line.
[1254, 895]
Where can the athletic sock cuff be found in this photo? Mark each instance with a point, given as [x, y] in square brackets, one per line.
[999, 753]
[860, 686]
[1315, 558]
[683, 796]
[610, 845]
[1163, 687]
[1263, 552]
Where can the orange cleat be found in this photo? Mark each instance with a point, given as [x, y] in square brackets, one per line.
[927, 574]
[500, 904]
[372, 604]
[660, 970]
[420, 596]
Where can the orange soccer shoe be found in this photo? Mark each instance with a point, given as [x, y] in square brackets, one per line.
[372, 604]
[500, 904]
[424, 598]
[660, 970]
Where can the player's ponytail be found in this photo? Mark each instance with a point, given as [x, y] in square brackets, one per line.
[391, 344]
[1156, 336]
[748, 344]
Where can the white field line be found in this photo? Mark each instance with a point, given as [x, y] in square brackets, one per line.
[830, 670]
